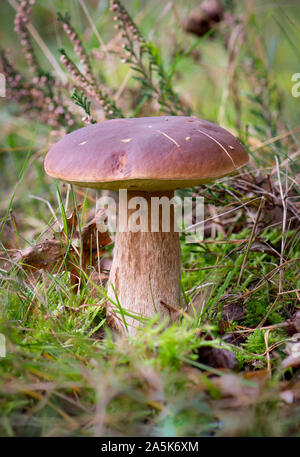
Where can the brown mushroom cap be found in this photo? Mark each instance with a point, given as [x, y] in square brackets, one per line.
[149, 154]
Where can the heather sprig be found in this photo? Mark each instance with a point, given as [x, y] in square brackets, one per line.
[82, 101]
[108, 105]
[55, 102]
[124, 21]
[265, 98]
[14, 79]
[20, 26]
[46, 95]
[78, 46]
[145, 59]
[39, 96]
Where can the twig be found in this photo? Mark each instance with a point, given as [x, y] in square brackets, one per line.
[191, 227]
[251, 239]
[274, 139]
[266, 338]
[96, 32]
[267, 277]
[284, 212]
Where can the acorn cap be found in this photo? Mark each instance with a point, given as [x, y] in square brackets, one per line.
[149, 154]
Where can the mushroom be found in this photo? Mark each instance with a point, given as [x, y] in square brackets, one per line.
[149, 157]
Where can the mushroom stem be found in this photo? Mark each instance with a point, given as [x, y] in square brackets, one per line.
[145, 272]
